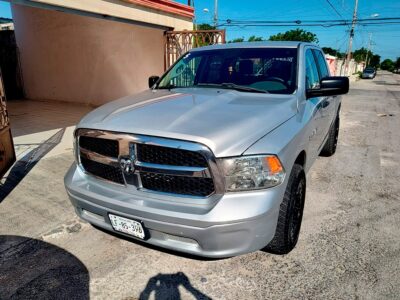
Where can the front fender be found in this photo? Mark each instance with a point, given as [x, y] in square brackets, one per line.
[287, 141]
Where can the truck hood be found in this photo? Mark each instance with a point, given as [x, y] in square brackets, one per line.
[226, 121]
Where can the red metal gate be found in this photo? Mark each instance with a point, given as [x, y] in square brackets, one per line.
[179, 42]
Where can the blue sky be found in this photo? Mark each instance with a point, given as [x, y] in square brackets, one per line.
[386, 39]
[5, 10]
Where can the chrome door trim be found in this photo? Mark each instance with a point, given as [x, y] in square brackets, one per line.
[173, 170]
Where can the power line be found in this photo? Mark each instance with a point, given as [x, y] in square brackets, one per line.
[312, 23]
[334, 8]
[309, 24]
[231, 21]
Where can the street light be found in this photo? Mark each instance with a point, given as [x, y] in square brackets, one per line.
[215, 13]
[215, 17]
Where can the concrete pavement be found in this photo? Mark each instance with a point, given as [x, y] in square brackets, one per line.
[349, 246]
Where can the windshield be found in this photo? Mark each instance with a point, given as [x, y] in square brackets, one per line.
[369, 71]
[269, 70]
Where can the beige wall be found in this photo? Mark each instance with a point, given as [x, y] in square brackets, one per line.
[74, 58]
[124, 10]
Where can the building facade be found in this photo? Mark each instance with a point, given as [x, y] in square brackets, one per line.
[93, 52]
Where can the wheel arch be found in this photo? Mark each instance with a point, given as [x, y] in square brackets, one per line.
[301, 159]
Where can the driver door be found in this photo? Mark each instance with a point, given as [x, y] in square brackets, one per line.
[7, 152]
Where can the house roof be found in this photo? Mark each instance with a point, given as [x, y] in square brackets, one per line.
[166, 6]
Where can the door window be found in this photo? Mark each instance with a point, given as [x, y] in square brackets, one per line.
[312, 76]
[323, 69]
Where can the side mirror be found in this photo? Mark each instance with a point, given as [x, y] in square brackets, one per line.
[153, 80]
[330, 86]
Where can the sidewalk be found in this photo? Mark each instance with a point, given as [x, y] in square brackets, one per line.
[34, 122]
[40, 130]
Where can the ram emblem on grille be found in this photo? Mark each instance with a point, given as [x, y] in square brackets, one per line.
[126, 164]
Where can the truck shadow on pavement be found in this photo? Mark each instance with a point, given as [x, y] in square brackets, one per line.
[34, 269]
[24, 165]
[166, 286]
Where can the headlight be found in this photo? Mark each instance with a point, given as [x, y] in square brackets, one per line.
[251, 172]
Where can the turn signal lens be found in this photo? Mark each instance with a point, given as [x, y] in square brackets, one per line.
[251, 172]
[274, 164]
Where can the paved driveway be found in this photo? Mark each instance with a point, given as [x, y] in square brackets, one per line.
[349, 245]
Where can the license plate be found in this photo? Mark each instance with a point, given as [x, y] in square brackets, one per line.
[127, 226]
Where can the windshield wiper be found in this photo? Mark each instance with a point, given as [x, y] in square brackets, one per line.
[225, 85]
[242, 88]
[166, 87]
[233, 86]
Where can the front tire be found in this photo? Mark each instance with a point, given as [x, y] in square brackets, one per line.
[290, 214]
[331, 143]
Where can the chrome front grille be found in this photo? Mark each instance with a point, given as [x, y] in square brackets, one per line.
[149, 163]
[101, 146]
[194, 186]
[169, 156]
[102, 170]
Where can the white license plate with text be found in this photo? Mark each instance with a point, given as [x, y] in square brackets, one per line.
[127, 226]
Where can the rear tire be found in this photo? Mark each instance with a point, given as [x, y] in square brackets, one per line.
[331, 143]
[290, 214]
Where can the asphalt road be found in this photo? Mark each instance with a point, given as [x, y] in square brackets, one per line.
[349, 246]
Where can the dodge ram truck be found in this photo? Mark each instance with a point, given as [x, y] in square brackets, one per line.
[211, 160]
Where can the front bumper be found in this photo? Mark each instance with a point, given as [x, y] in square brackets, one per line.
[367, 76]
[222, 226]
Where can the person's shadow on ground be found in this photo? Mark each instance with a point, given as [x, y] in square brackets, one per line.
[166, 286]
[34, 269]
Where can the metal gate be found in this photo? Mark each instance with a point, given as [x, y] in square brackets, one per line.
[179, 42]
[10, 65]
[7, 152]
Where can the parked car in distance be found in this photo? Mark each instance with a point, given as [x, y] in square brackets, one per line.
[368, 73]
[212, 159]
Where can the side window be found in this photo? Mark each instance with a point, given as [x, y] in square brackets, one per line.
[323, 69]
[312, 76]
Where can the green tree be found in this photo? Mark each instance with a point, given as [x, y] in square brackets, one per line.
[360, 54]
[397, 63]
[237, 40]
[374, 61]
[205, 40]
[205, 26]
[333, 52]
[387, 65]
[299, 35]
[254, 38]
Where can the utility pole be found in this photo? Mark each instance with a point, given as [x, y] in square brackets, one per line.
[368, 49]
[353, 25]
[215, 13]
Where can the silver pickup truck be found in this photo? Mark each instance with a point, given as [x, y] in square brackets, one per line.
[212, 159]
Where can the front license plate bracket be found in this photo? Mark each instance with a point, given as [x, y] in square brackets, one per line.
[128, 226]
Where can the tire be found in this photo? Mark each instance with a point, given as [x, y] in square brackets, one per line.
[290, 214]
[331, 143]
